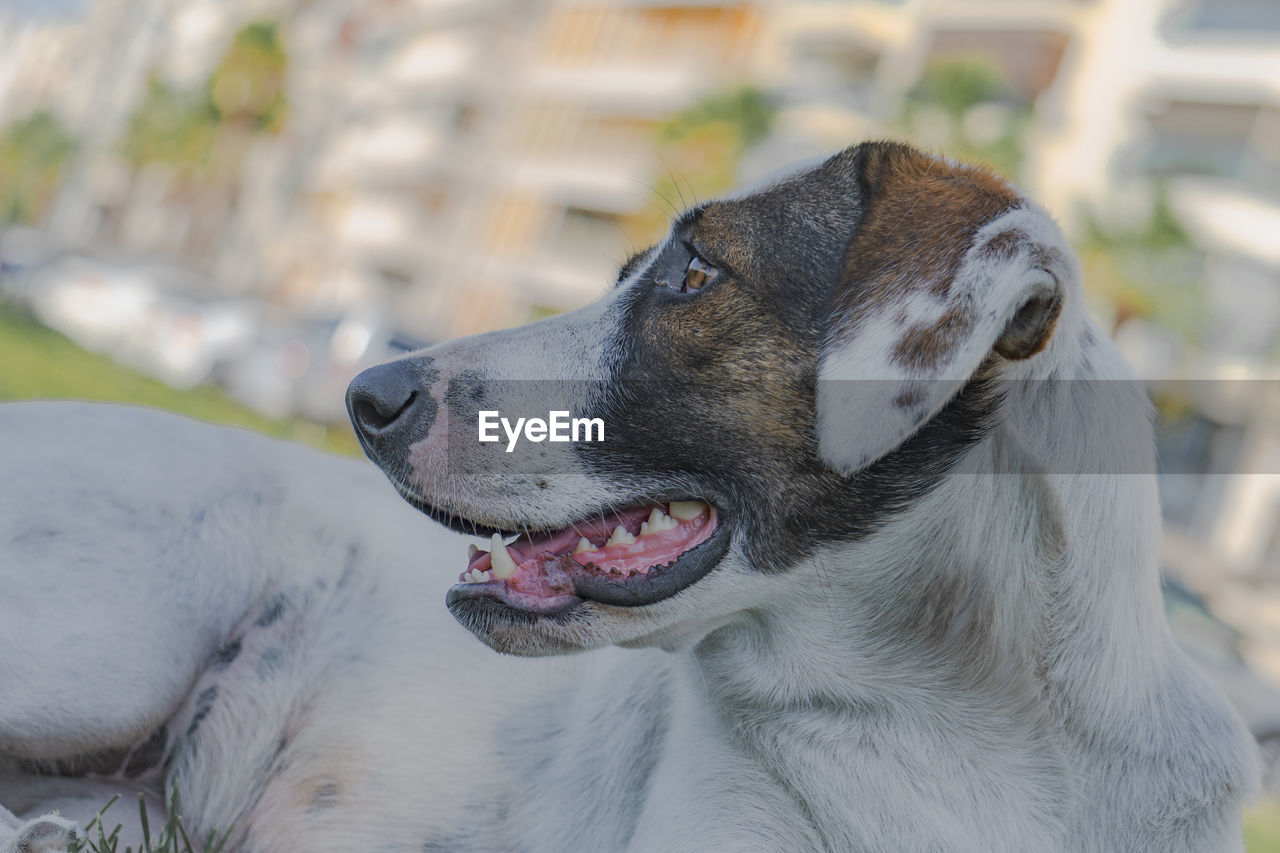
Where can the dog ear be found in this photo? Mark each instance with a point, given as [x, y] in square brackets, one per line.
[947, 268]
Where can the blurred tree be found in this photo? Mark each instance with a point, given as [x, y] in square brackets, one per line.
[171, 128]
[34, 152]
[701, 148]
[199, 139]
[1150, 270]
[967, 108]
[248, 86]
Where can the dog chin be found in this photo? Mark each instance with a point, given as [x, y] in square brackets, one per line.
[585, 627]
[589, 625]
[512, 631]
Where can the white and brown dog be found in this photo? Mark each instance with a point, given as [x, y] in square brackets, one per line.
[881, 555]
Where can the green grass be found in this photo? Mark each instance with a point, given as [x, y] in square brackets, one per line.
[172, 837]
[1262, 828]
[37, 363]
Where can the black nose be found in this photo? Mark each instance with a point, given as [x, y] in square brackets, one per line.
[388, 402]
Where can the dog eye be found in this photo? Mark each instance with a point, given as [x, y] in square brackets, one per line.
[697, 274]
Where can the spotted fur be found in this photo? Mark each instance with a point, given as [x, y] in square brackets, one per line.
[933, 622]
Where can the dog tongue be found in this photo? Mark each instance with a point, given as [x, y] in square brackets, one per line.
[545, 576]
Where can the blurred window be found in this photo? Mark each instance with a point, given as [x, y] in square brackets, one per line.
[1227, 17]
[1029, 59]
[834, 67]
[1232, 141]
[707, 36]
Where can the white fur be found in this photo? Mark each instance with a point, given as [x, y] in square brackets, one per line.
[830, 707]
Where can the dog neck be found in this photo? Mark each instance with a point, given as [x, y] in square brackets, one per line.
[987, 584]
[966, 641]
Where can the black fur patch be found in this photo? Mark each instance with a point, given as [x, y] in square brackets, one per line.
[103, 762]
[273, 610]
[716, 392]
[226, 655]
[149, 755]
[204, 704]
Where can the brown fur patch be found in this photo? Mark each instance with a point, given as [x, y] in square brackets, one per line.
[909, 398]
[746, 366]
[921, 346]
[920, 216]
[1005, 246]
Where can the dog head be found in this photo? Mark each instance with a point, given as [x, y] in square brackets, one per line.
[789, 368]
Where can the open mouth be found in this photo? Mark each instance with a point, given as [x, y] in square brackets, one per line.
[630, 558]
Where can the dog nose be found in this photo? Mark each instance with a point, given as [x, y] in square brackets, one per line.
[382, 398]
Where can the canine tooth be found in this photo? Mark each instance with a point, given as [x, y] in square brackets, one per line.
[583, 545]
[620, 537]
[472, 550]
[503, 565]
[644, 528]
[687, 510]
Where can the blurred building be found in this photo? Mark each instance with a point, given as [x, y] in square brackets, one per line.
[499, 143]
[1129, 98]
[469, 164]
[465, 164]
[472, 164]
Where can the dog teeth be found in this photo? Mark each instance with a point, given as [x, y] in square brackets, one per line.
[472, 550]
[474, 576]
[687, 510]
[503, 566]
[620, 537]
[583, 545]
[658, 522]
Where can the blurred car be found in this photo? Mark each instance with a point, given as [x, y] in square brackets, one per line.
[347, 346]
[184, 341]
[304, 367]
[1215, 647]
[155, 318]
[96, 304]
[160, 320]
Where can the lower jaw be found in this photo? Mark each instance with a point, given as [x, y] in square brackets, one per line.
[636, 591]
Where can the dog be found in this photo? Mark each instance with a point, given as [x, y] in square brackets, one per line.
[865, 560]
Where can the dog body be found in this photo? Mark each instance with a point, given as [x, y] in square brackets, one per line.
[906, 596]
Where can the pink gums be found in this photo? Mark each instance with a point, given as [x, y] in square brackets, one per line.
[545, 567]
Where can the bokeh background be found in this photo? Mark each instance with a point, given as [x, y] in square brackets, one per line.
[230, 207]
